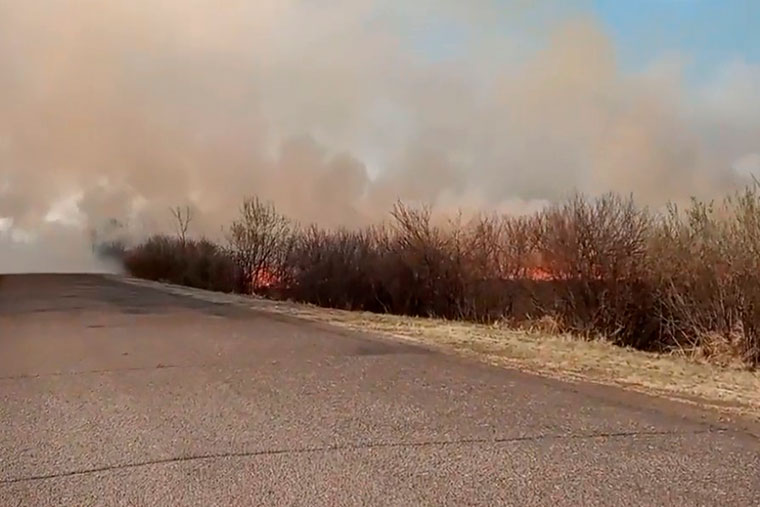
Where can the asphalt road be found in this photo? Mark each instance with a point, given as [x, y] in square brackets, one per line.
[113, 394]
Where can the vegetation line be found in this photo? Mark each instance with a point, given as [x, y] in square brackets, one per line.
[602, 268]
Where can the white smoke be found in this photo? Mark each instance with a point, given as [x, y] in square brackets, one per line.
[336, 109]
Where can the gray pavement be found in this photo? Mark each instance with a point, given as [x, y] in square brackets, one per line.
[114, 394]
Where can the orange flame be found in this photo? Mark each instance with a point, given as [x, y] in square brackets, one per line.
[539, 268]
[539, 274]
[262, 278]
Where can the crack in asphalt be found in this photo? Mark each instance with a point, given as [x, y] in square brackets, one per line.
[353, 447]
[361, 352]
[24, 376]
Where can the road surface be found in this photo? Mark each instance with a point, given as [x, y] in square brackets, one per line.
[114, 394]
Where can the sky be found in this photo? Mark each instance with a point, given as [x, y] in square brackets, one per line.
[707, 33]
[704, 33]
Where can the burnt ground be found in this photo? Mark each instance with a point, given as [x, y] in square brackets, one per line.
[114, 394]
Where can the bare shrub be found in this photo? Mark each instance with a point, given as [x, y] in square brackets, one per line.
[685, 280]
[195, 263]
[598, 248]
[744, 234]
[430, 263]
[334, 268]
[499, 256]
[258, 241]
[708, 274]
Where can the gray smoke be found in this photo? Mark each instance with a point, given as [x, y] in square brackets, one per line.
[332, 109]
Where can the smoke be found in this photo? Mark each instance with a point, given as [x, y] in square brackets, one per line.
[336, 109]
[54, 250]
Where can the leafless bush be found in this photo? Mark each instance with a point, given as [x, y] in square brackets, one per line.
[598, 248]
[687, 280]
[200, 263]
[259, 241]
[429, 262]
[407, 266]
[707, 271]
[334, 268]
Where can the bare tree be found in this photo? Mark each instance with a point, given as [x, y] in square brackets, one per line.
[182, 218]
[258, 240]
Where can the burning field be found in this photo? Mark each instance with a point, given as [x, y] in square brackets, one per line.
[597, 268]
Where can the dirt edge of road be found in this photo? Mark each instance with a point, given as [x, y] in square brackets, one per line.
[728, 390]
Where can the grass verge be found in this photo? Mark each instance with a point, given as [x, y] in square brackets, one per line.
[729, 389]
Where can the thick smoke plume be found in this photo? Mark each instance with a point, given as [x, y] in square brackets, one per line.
[334, 110]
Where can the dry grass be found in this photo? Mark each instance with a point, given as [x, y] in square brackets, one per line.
[730, 389]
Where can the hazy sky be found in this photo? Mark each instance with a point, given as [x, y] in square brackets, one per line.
[711, 47]
[707, 33]
[335, 108]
